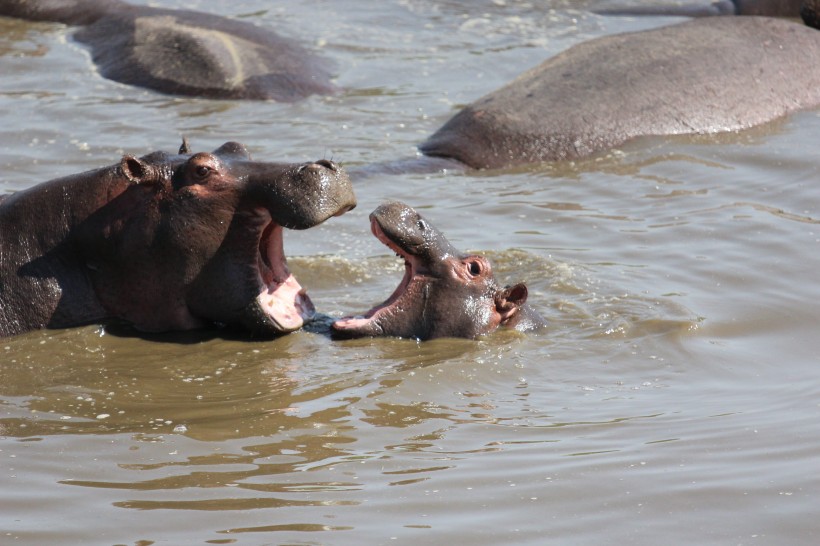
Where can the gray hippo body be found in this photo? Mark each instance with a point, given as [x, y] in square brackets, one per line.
[702, 76]
[184, 52]
[444, 293]
[164, 242]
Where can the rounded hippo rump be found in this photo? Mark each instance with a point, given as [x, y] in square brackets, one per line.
[164, 242]
[702, 76]
[184, 52]
[444, 293]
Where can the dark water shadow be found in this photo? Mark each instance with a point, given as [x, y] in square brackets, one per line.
[187, 337]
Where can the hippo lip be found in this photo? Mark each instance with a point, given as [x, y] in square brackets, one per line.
[413, 269]
[281, 298]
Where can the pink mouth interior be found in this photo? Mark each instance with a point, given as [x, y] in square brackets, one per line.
[282, 298]
[409, 271]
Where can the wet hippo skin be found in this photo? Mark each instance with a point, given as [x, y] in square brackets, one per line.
[702, 76]
[444, 293]
[184, 52]
[164, 242]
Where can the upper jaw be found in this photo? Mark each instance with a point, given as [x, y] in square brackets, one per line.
[372, 323]
[417, 262]
[379, 233]
[314, 192]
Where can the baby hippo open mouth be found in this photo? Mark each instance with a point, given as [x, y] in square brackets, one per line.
[246, 282]
[443, 293]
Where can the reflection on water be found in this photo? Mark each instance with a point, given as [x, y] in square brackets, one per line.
[673, 394]
[206, 423]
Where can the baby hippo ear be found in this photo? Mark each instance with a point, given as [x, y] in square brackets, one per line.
[138, 171]
[509, 301]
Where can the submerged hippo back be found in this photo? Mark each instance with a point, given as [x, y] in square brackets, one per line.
[699, 77]
[185, 52]
[192, 53]
[70, 12]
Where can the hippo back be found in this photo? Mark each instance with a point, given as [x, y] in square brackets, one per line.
[699, 77]
[70, 12]
[186, 52]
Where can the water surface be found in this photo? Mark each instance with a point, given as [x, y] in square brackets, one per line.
[674, 396]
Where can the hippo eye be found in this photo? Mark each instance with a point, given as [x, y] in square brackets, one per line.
[475, 268]
[202, 171]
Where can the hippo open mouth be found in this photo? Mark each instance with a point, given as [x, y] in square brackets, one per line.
[443, 293]
[166, 242]
[403, 296]
[244, 280]
[282, 298]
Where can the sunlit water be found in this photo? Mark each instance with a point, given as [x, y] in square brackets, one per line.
[673, 398]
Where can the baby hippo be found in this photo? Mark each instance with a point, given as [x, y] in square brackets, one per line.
[444, 293]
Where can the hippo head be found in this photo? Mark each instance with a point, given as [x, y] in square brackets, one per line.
[196, 239]
[444, 293]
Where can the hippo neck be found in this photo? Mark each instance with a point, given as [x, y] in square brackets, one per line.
[70, 12]
[62, 204]
[47, 276]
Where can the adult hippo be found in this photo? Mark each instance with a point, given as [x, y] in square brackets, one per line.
[702, 76]
[444, 293]
[184, 52]
[164, 242]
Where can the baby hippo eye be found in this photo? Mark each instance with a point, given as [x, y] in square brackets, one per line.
[474, 268]
[202, 171]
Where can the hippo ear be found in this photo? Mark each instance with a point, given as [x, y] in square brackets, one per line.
[138, 171]
[184, 148]
[509, 300]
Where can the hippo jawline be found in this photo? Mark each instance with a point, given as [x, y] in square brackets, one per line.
[281, 299]
[369, 323]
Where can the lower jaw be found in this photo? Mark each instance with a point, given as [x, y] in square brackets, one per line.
[287, 306]
[353, 327]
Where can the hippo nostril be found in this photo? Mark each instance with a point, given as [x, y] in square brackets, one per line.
[328, 164]
[345, 209]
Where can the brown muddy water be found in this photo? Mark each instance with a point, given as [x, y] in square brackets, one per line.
[673, 399]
